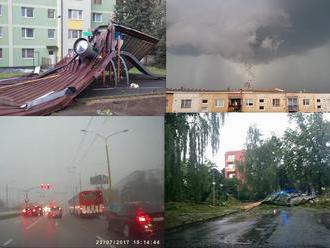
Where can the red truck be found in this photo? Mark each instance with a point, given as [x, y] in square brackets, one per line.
[87, 203]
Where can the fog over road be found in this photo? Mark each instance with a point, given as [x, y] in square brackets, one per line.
[293, 227]
[70, 231]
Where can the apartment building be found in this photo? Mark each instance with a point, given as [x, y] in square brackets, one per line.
[34, 32]
[232, 160]
[245, 100]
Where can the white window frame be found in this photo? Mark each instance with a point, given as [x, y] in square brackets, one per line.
[26, 53]
[279, 102]
[25, 33]
[263, 101]
[71, 31]
[184, 104]
[1, 32]
[51, 38]
[97, 14]
[0, 9]
[219, 105]
[75, 14]
[26, 12]
[306, 100]
[54, 14]
[249, 102]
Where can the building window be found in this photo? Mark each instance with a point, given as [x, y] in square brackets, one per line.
[51, 33]
[97, 17]
[276, 102]
[261, 107]
[27, 53]
[231, 158]
[318, 100]
[51, 13]
[204, 101]
[249, 102]
[318, 106]
[1, 32]
[186, 103]
[27, 33]
[75, 14]
[0, 10]
[75, 34]
[261, 100]
[27, 12]
[0, 53]
[219, 103]
[97, 1]
[306, 102]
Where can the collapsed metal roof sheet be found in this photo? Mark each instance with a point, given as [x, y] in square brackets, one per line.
[56, 88]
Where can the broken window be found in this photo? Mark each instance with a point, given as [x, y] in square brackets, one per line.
[186, 103]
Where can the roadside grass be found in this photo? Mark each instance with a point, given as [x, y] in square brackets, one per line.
[153, 69]
[178, 214]
[10, 75]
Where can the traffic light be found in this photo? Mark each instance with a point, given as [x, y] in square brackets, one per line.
[45, 186]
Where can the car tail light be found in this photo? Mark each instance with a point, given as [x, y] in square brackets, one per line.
[39, 209]
[23, 210]
[33, 210]
[81, 208]
[143, 218]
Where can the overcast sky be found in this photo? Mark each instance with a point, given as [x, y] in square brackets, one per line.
[40, 150]
[215, 44]
[233, 132]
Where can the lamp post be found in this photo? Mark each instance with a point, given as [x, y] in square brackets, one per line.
[7, 193]
[105, 139]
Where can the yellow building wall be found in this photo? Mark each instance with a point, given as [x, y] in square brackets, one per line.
[76, 24]
[267, 104]
[312, 102]
[169, 102]
[212, 98]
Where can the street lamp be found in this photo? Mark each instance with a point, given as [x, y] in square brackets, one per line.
[105, 139]
[7, 195]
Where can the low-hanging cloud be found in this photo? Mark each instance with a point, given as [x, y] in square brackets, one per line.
[249, 32]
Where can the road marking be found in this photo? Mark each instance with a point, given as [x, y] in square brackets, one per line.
[7, 242]
[28, 227]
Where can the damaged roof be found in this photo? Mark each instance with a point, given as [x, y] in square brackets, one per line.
[55, 89]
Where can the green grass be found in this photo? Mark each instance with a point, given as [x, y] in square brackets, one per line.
[10, 75]
[153, 69]
[183, 213]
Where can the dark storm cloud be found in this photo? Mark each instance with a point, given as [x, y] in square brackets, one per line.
[254, 31]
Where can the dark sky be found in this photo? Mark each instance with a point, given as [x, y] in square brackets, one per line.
[216, 44]
[41, 149]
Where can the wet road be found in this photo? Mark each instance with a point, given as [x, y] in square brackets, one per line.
[70, 231]
[290, 227]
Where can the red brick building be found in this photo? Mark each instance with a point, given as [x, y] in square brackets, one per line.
[232, 158]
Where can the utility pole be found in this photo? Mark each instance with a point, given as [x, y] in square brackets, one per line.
[7, 203]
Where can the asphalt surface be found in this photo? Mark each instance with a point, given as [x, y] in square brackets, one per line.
[294, 227]
[70, 231]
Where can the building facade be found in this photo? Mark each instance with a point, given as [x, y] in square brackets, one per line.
[232, 160]
[275, 100]
[34, 32]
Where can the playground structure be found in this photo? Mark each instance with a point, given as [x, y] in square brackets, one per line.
[100, 56]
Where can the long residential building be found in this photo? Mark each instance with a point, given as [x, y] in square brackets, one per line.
[34, 32]
[245, 100]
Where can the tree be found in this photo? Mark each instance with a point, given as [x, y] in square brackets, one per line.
[148, 16]
[186, 138]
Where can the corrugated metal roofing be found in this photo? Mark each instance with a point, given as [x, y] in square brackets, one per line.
[71, 73]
